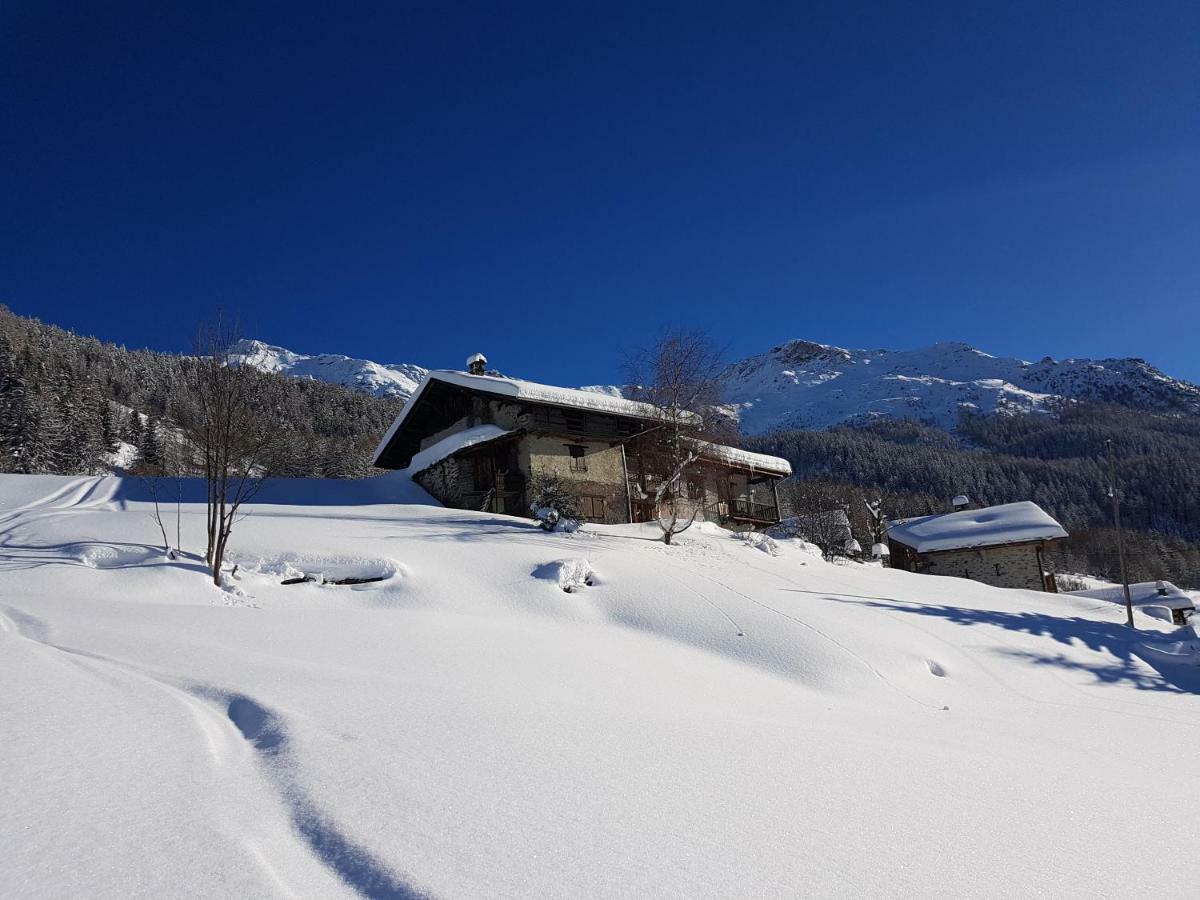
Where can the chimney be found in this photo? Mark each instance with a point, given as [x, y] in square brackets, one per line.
[476, 364]
[962, 501]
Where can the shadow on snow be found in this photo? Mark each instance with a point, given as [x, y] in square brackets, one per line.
[1134, 660]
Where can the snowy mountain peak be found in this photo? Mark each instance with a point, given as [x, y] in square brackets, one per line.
[803, 384]
[379, 379]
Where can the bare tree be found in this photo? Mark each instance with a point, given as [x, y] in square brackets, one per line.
[821, 514]
[679, 375]
[167, 462]
[236, 446]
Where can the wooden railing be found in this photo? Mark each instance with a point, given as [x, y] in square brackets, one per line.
[742, 508]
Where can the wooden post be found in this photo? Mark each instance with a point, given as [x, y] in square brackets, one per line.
[628, 494]
[1116, 505]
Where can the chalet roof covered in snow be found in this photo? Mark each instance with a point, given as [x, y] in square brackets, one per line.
[518, 390]
[572, 398]
[1010, 523]
[531, 391]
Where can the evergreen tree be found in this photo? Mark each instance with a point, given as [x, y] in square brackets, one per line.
[150, 450]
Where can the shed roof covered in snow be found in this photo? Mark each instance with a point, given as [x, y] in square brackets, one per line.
[1010, 523]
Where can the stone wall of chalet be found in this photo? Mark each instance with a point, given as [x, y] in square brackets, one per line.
[598, 478]
[1007, 567]
[444, 482]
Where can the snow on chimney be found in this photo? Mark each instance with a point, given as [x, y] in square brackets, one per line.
[476, 364]
[962, 501]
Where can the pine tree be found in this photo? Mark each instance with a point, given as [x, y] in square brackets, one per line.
[108, 425]
[150, 449]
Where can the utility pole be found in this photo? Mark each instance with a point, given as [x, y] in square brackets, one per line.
[1116, 505]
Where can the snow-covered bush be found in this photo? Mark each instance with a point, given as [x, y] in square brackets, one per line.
[1068, 583]
[570, 574]
[552, 503]
[759, 541]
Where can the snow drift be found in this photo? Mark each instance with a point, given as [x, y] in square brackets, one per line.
[705, 720]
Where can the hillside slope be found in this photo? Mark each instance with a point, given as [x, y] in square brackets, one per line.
[705, 720]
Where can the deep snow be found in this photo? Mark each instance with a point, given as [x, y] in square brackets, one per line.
[701, 720]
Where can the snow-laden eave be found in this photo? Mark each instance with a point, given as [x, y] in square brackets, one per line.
[448, 446]
[744, 459]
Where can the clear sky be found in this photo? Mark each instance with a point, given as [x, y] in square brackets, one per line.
[552, 184]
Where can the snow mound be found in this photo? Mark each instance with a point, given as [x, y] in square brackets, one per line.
[758, 541]
[569, 574]
[325, 569]
[113, 556]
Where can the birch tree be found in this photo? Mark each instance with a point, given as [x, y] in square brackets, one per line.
[679, 375]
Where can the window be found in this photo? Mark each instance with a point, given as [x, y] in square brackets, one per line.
[578, 460]
[594, 508]
[482, 476]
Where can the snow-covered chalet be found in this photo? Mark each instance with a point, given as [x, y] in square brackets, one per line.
[1003, 546]
[474, 439]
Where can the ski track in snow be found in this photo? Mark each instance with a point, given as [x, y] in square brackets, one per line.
[261, 728]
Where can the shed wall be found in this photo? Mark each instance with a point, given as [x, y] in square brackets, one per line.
[1008, 567]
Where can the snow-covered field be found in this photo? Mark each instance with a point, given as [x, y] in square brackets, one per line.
[703, 720]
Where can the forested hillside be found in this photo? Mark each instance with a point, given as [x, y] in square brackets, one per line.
[1057, 461]
[67, 402]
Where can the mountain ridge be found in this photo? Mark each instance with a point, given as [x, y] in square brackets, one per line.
[377, 379]
[801, 384]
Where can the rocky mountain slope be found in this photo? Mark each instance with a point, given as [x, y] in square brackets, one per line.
[801, 384]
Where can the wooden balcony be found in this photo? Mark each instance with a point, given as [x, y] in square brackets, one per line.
[743, 509]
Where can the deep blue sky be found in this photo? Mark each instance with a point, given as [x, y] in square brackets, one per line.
[551, 184]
